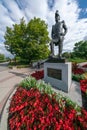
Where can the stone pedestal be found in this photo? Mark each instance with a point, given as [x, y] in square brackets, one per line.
[58, 75]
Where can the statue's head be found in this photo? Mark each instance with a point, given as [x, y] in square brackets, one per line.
[57, 16]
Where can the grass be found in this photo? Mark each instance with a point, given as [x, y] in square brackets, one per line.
[1, 61]
[77, 60]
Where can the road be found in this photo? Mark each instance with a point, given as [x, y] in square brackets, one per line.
[3, 66]
[9, 79]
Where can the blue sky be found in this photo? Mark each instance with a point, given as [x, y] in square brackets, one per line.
[74, 12]
[83, 6]
[82, 3]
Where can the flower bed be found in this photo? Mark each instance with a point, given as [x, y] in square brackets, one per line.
[78, 71]
[85, 66]
[83, 85]
[35, 106]
[77, 77]
[80, 76]
[38, 74]
[85, 75]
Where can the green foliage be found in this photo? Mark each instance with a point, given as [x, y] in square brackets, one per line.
[77, 60]
[77, 77]
[31, 82]
[15, 38]
[28, 83]
[43, 87]
[72, 104]
[19, 63]
[2, 57]
[80, 49]
[28, 41]
[66, 54]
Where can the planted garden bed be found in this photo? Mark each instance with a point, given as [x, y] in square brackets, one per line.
[80, 75]
[35, 106]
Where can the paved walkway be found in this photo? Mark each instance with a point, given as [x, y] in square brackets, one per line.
[9, 79]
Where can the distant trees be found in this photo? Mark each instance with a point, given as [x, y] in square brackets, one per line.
[80, 49]
[66, 54]
[28, 41]
[2, 57]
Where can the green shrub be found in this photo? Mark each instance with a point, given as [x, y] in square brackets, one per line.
[43, 87]
[28, 83]
[77, 77]
[31, 82]
[1, 61]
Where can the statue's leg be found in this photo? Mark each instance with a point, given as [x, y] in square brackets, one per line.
[52, 48]
[60, 47]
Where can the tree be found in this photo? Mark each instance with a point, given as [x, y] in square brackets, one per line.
[2, 57]
[80, 49]
[66, 54]
[28, 41]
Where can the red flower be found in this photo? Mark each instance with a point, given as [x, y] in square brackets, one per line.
[78, 71]
[83, 86]
[32, 110]
[38, 74]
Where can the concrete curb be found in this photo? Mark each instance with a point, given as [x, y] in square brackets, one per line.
[4, 101]
[4, 117]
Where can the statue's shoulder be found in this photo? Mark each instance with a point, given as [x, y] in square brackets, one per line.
[63, 21]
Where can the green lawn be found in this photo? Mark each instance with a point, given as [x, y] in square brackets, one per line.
[77, 60]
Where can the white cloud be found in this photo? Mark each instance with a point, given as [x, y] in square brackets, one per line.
[36, 8]
[13, 10]
[4, 51]
[4, 17]
[86, 10]
[69, 11]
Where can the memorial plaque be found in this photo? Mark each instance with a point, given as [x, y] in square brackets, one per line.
[54, 73]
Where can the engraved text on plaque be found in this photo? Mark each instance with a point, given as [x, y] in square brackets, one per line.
[54, 73]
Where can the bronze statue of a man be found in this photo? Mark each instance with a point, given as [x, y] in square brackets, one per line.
[59, 30]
